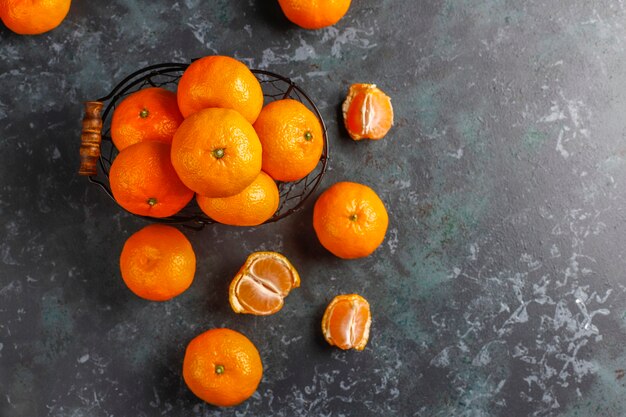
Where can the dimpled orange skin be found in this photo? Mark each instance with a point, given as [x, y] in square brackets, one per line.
[350, 220]
[292, 139]
[220, 81]
[367, 112]
[251, 207]
[150, 114]
[143, 181]
[222, 367]
[158, 263]
[216, 152]
[33, 17]
[314, 14]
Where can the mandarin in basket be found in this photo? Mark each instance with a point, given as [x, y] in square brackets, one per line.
[350, 220]
[150, 114]
[367, 112]
[292, 139]
[220, 81]
[33, 17]
[158, 263]
[314, 14]
[346, 322]
[222, 367]
[143, 181]
[262, 283]
[216, 152]
[251, 207]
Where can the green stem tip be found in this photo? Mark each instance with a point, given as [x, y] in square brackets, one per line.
[308, 135]
[218, 153]
[152, 201]
[354, 217]
[144, 113]
[219, 369]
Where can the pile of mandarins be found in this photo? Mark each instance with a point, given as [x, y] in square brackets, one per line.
[214, 140]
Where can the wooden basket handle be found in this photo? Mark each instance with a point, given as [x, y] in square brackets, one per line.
[90, 138]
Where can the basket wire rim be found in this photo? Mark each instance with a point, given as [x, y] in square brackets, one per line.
[196, 222]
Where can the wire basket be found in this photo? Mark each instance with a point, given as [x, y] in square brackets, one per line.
[98, 152]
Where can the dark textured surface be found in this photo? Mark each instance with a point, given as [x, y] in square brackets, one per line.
[499, 290]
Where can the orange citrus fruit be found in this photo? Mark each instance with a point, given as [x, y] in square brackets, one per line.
[350, 220]
[314, 14]
[292, 139]
[262, 283]
[150, 114]
[222, 367]
[216, 152]
[220, 81]
[346, 322]
[367, 112]
[143, 181]
[158, 262]
[33, 17]
[253, 206]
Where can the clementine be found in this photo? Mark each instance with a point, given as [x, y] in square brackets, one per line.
[292, 139]
[222, 367]
[314, 14]
[254, 205]
[220, 81]
[143, 181]
[158, 263]
[150, 114]
[262, 283]
[367, 112]
[33, 17]
[350, 220]
[346, 322]
[216, 152]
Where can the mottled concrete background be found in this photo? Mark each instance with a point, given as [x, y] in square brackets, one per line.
[499, 290]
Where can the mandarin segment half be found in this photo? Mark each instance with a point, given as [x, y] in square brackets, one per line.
[367, 112]
[346, 322]
[262, 283]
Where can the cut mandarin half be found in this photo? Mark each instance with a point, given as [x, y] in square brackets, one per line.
[367, 112]
[346, 322]
[262, 283]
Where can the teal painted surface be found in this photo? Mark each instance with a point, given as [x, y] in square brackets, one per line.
[498, 291]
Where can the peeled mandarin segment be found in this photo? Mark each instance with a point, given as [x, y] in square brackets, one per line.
[262, 284]
[273, 273]
[257, 298]
[367, 112]
[346, 322]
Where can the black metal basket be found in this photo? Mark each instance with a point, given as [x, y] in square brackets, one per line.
[275, 87]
